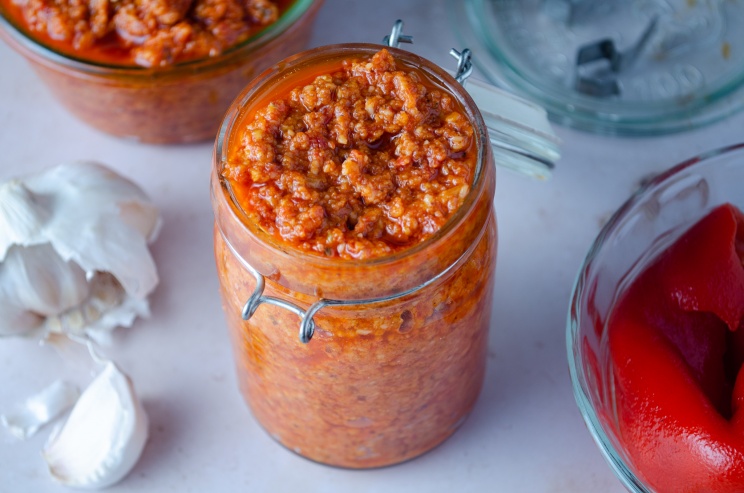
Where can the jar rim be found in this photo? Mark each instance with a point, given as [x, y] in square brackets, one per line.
[48, 54]
[293, 63]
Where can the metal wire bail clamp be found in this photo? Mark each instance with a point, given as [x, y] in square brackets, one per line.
[307, 325]
[396, 36]
[464, 64]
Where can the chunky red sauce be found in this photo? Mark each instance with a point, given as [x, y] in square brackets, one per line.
[361, 161]
[335, 161]
[676, 343]
[149, 33]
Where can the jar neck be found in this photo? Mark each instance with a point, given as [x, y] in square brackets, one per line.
[343, 279]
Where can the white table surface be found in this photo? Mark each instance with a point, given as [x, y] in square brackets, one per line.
[525, 434]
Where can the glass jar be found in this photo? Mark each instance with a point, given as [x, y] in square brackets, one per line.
[398, 349]
[181, 103]
[649, 222]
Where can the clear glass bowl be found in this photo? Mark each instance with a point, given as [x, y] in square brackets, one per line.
[181, 103]
[647, 223]
[689, 72]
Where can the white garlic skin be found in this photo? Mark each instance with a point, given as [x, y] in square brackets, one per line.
[74, 254]
[104, 436]
[40, 409]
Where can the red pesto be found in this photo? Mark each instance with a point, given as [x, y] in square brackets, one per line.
[364, 160]
[149, 33]
[676, 344]
[168, 102]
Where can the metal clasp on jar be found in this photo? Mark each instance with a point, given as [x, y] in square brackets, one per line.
[307, 324]
[520, 135]
[257, 298]
[464, 63]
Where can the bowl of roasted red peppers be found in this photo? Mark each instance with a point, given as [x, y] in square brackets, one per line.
[656, 331]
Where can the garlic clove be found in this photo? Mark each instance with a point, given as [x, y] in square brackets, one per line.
[14, 320]
[40, 409]
[43, 283]
[34, 283]
[103, 437]
[106, 307]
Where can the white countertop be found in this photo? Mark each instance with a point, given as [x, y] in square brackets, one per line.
[525, 434]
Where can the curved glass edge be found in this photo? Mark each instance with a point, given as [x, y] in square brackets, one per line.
[438, 75]
[46, 53]
[573, 343]
[520, 134]
[581, 394]
[709, 109]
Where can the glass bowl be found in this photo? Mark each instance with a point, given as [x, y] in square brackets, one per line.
[685, 75]
[181, 103]
[657, 214]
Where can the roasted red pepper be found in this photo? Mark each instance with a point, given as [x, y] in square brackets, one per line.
[676, 345]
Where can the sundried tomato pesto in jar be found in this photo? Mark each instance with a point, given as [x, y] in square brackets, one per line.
[149, 33]
[159, 71]
[364, 177]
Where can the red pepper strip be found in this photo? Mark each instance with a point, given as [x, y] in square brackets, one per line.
[677, 347]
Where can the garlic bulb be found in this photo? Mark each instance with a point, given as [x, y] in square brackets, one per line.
[103, 437]
[73, 252]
